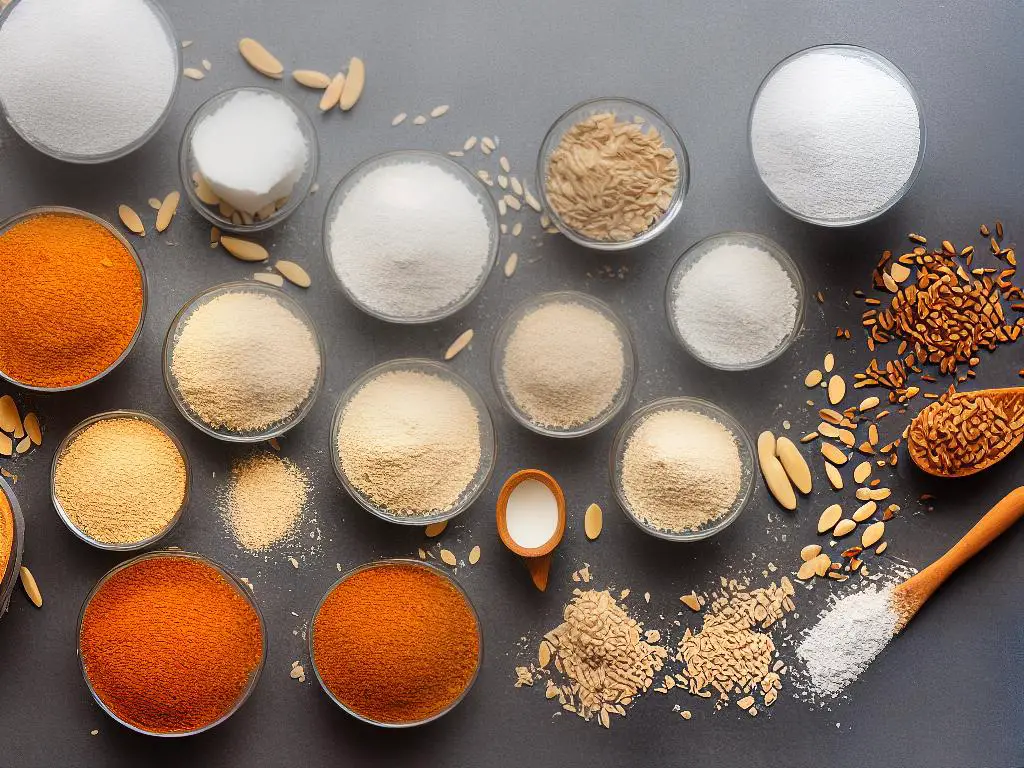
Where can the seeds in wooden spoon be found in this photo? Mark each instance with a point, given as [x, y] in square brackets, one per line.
[435, 529]
[260, 59]
[332, 93]
[354, 83]
[459, 344]
[244, 250]
[828, 519]
[872, 534]
[293, 273]
[843, 527]
[28, 582]
[167, 210]
[794, 464]
[131, 219]
[836, 389]
[775, 476]
[593, 521]
[311, 78]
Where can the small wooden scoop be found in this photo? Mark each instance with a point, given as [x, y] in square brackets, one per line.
[990, 422]
[536, 559]
[908, 597]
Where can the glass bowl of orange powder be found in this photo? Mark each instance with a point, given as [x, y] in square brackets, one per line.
[75, 299]
[396, 643]
[171, 644]
[12, 542]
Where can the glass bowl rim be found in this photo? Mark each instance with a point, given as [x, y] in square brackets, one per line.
[473, 183]
[659, 121]
[488, 438]
[9, 577]
[629, 356]
[76, 431]
[778, 253]
[240, 587]
[384, 563]
[708, 409]
[289, 303]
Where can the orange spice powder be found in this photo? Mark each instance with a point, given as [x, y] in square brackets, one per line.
[72, 300]
[6, 533]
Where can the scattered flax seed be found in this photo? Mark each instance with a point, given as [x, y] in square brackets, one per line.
[448, 558]
[131, 219]
[260, 59]
[511, 264]
[28, 583]
[439, 110]
[459, 344]
[193, 74]
[399, 118]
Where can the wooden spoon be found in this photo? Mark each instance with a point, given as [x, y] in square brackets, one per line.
[908, 597]
[966, 432]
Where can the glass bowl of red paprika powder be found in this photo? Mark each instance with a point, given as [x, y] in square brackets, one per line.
[171, 644]
[396, 643]
[76, 299]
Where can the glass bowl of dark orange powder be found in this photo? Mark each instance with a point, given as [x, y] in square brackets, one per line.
[171, 644]
[12, 542]
[396, 643]
[74, 299]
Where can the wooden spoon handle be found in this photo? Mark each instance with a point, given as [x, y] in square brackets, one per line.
[1005, 513]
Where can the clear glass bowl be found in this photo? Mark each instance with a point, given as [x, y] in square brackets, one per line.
[244, 591]
[629, 110]
[712, 411]
[697, 251]
[64, 211]
[9, 576]
[488, 442]
[116, 154]
[474, 184]
[508, 326]
[384, 563]
[78, 430]
[887, 66]
[223, 433]
[187, 168]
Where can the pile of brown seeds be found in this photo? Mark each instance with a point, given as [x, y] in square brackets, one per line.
[17, 435]
[963, 429]
[611, 180]
[605, 655]
[731, 654]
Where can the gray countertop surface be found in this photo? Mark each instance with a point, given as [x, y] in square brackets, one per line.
[947, 693]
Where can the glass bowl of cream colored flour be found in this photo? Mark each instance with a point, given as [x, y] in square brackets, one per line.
[411, 236]
[87, 82]
[735, 301]
[243, 362]
[682, 468]
[412, 442]
[563, 364]
[837, 134]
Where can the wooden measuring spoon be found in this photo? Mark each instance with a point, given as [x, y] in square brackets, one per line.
[537, 559]
[908, 597]
[992, 426]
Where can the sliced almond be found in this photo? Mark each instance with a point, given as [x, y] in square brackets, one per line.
[862, 472]
[593, 520]
[691, 601]
[821, 564]
[28, 582]
[10, 419]
[400, 118]
[354, 83]
[544, 654]
[843, 527]
[32, 429]
[6, 445]
[872, 534]
[131, 219]
[204, 192]
[23, 445]
[193, 74]
[311, 78]
[829, 518]
[260, 59]
[833, 454]
[269, 278]
[794, 464]
[810, 552]
[881, 547]
[846, 438]
[435, 529]
[836, 389]
[899, 272]
[459, 344]
[244, 250]
[813, 378]
[834, 476]
[167, 210]
[439, 110]
[807, 570]
[511, 263]
[293, 273]
[332, 93]
[830, 362]
[448, 558]
[775, 476]
[474, 555]
[868, 403]
[864, 511]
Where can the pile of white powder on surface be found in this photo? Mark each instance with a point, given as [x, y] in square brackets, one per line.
[834, 135]
[564, 364]
[85, 78]
[852, 631]
[251, 150]
[410, 239]
[681, 471]
[735, 304]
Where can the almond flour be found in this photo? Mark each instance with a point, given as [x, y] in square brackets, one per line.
[264, 503]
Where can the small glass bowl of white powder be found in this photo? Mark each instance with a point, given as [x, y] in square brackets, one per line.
[563, 364]
[412, 442]
[411, 236]
[837, 134]
[682, 468]
[248, 159]
[735, 301]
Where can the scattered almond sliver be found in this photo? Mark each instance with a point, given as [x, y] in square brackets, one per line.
[28, 582]
[459, 344]
[332, 93]
[354, 83]
[193, 74]
[474, 555]
[435, 529]
[131, 219]
[311, 78]
[9, 417]
[448, 558]
[511, 264]
[270, 278]
[167, 210]
[593, 522]
[260, 59]
[32, 429]
[293, 273]
[244, 250]
[155, 203]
